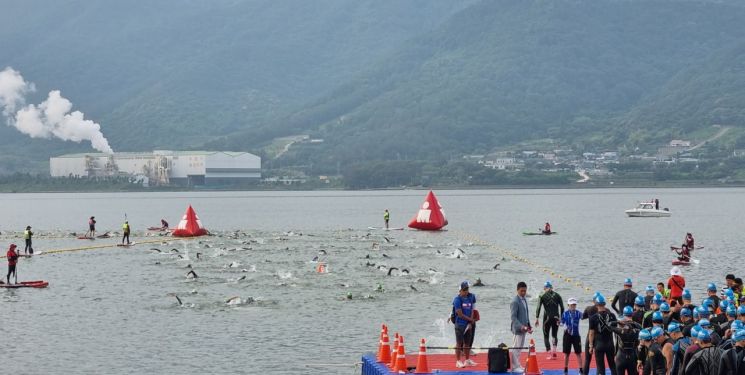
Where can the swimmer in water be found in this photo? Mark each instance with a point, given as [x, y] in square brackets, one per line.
[478, 282]
[192, 275]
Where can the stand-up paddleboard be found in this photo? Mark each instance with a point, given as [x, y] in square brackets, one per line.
[86, 238]
[539, 233]
[678, 248]
[381, 228]
[27, 284]
[126, 245]
[158, 229]
[681, 263]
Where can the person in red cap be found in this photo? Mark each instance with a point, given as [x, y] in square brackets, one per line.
[12, 260]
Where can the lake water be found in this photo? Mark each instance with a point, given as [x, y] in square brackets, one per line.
[113, 310]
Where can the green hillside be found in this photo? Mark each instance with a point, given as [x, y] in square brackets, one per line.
[176, 73]
[501, 72]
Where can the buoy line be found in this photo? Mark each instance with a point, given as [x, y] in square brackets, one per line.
[511, 254]
[110, 245]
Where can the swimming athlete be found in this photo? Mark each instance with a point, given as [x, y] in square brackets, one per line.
[163, 224]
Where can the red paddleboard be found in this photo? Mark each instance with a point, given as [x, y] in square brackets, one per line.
[430, 215]
[85, 238]
[27, 284]
[681, 263]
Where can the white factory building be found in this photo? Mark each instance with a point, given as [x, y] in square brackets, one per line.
[190, 168]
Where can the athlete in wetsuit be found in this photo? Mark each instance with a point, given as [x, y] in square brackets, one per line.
[627, 332]
[163, 224]
[680, 344]
[624, 297]
[601, 337]
[589, 312]
[554, 309]
[654, 361]
[654, 306]
[638, 315]
[732, 361]
[704, 361]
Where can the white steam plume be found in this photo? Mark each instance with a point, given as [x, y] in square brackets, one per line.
[50, 118]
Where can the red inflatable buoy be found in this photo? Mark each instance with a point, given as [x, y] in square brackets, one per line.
[190, 225]
[430, 215]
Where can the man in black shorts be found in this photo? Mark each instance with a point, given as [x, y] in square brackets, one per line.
[91, 227]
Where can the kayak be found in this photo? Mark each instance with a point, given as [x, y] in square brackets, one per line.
[27, 284]
[539, 233]
[681, 263]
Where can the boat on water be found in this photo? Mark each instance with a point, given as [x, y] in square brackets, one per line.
[648, 209]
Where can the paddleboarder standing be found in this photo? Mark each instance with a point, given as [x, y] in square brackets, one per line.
[27, 234]
[12, 260]
[386, 217]
[91, 227]
[125, 230]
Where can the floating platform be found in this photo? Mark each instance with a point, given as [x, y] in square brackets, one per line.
[445, 364]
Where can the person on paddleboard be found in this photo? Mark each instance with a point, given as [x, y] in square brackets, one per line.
[27, 234]
[125, 230]
[386, 217]
[547, 228]
[12, 260]
[689, 241]
[91, 227]
[163, 224]
[684, 254]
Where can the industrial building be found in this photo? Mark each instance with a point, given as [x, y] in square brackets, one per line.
[190, 168]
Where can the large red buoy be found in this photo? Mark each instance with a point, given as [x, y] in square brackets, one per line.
[190, 225]
[430, 215]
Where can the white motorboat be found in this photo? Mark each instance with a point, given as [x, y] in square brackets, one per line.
[647, 209]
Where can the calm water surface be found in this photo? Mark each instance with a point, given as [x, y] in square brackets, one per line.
[113, 310]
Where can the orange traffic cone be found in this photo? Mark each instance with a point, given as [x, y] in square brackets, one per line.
[532, 367]
[421, 362]
[401, 357]
[394, 354]
[385, 350]
[380, 342]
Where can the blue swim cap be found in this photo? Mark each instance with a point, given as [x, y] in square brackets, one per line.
[628, 311]
[686, 294]
[639, 301]
[685, 312]
[548, 285]
[739, 335]
[673, 327]
[657, 300]
[737, 325]
[657, 316]
[649, 288]
[595, 296]
[656, 332]
[707, 303]
[731, 311]
[696, 315]
[711, 287]
[664, 307]
[704, 323]
[645, 335]
[723, 304]
[703, 312]
[627, 281]
[695, 330]
[704, 335]
[600, 300]
[729, 293]
[741, 310]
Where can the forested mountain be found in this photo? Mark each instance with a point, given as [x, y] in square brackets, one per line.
[501, 72]
[417, 79]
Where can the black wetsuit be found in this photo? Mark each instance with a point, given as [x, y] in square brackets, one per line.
[731, 362]
[554, 306]
[647, 322]
[638, 316]
[626, 343]
[28, 235]
[648, 302]
[687, 328]
[589, 312]
[655, 363]
[704, 362]
[623, 298]
[679, 351]
[601, 323]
